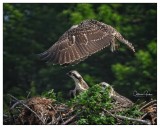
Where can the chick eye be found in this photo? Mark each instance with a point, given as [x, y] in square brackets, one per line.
[104, 86]
[70, 73]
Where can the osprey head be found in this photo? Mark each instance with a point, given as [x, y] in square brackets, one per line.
[74, 74]
[104, 85]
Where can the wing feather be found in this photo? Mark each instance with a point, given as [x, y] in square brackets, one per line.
[68, 57]
[78, 43]
[56, 58]
[82, 51]
[78, 50]
[77, 56]
[62, 57]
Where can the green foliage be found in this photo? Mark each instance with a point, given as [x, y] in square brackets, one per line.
[80, 12]
[133, 112]
[60, 97]
[109, 15]
[49, 94]
[122, 71]
[54, 96]
[90, 104]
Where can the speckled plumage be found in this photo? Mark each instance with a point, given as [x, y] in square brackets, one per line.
[81, 41]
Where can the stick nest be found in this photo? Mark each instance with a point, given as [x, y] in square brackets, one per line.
[44, 111]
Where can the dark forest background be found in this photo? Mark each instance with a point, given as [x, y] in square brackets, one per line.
[29, 29]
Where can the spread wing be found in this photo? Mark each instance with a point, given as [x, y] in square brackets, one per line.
[77, 44]
[81, 41]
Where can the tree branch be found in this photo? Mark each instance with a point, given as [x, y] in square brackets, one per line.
[148, 104]
[70, 119]
[133, 119]
[128, 118]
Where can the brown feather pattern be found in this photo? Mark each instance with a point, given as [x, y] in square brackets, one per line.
[79, 42]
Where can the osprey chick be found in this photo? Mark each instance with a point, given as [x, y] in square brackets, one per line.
[81, 41]
[123, 101]
[80, 84]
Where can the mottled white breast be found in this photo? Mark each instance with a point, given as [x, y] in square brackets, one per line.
[79, 86]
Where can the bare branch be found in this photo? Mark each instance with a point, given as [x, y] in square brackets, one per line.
[128, 118]
[133, 119]
[70, 119]
[148, 104]
[15, 104]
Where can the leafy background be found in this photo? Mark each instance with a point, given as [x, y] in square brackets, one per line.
[29, 29]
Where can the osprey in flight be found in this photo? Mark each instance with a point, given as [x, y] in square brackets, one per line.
[81, 41]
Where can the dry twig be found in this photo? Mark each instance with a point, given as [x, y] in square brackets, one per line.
[69, 120]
